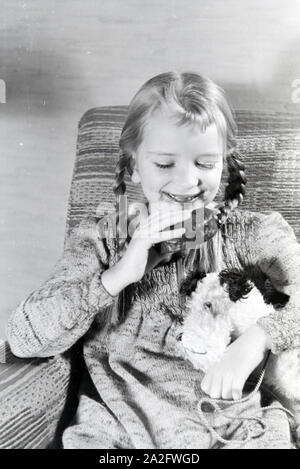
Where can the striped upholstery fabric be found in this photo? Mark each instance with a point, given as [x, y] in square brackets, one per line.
[34, 399]
[37, 396]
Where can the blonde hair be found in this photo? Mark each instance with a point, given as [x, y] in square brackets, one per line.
[189, 96]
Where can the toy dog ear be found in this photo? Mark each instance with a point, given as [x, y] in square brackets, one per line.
[190, 283]
[236, 282]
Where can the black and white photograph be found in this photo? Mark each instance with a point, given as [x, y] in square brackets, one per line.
[150, 227]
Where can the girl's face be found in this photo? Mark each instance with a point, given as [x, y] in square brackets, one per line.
[171, 160]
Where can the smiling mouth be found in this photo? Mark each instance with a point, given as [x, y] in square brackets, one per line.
[183, 198]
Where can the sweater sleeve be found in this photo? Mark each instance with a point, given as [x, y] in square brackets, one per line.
[277, 252]
[52, 318]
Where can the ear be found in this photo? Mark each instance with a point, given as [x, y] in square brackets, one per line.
[135, 177]
[236, 282]
[190, 283]
[200, 274]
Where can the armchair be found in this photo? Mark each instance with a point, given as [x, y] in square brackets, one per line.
[38, 396]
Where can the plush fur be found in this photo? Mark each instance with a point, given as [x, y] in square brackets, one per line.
[221, 307]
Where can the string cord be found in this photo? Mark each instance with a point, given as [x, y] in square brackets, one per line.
[250, 418]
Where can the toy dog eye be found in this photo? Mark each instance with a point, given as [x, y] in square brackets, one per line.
[207, 304]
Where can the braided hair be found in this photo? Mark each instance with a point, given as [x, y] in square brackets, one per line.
[192, 98]
[236, 185]
[119, 188]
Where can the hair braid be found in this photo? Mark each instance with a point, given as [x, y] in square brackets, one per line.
[119, 188]
[117, 313]
[235, 189]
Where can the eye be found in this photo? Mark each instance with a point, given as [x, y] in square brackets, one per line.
[164, 166]
[206, 166]
[200, 165]
[207, 304]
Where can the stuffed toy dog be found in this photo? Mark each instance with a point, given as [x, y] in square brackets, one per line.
[220, 307]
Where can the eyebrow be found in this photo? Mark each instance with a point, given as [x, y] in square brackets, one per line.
[162, 153]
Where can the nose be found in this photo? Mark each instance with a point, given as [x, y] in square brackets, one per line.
[187, 179]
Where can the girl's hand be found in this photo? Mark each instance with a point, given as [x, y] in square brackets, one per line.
[226, 378]
[140, 255]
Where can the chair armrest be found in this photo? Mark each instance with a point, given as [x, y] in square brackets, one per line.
[33, 398]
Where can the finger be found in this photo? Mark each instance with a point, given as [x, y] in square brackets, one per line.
[134, 207]
[161, 207]
[137, 213]
[205, 383]
[163, 220]
[153, 227]
[150, 239]
[135, 210]
[237, 389]
[227, 386]
[166, 235]
[215, 390]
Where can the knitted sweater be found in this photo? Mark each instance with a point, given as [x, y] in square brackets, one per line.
[142, 393]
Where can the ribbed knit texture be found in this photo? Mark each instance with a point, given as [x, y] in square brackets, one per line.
[143, 394]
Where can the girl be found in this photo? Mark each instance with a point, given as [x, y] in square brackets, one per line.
[124, 295]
